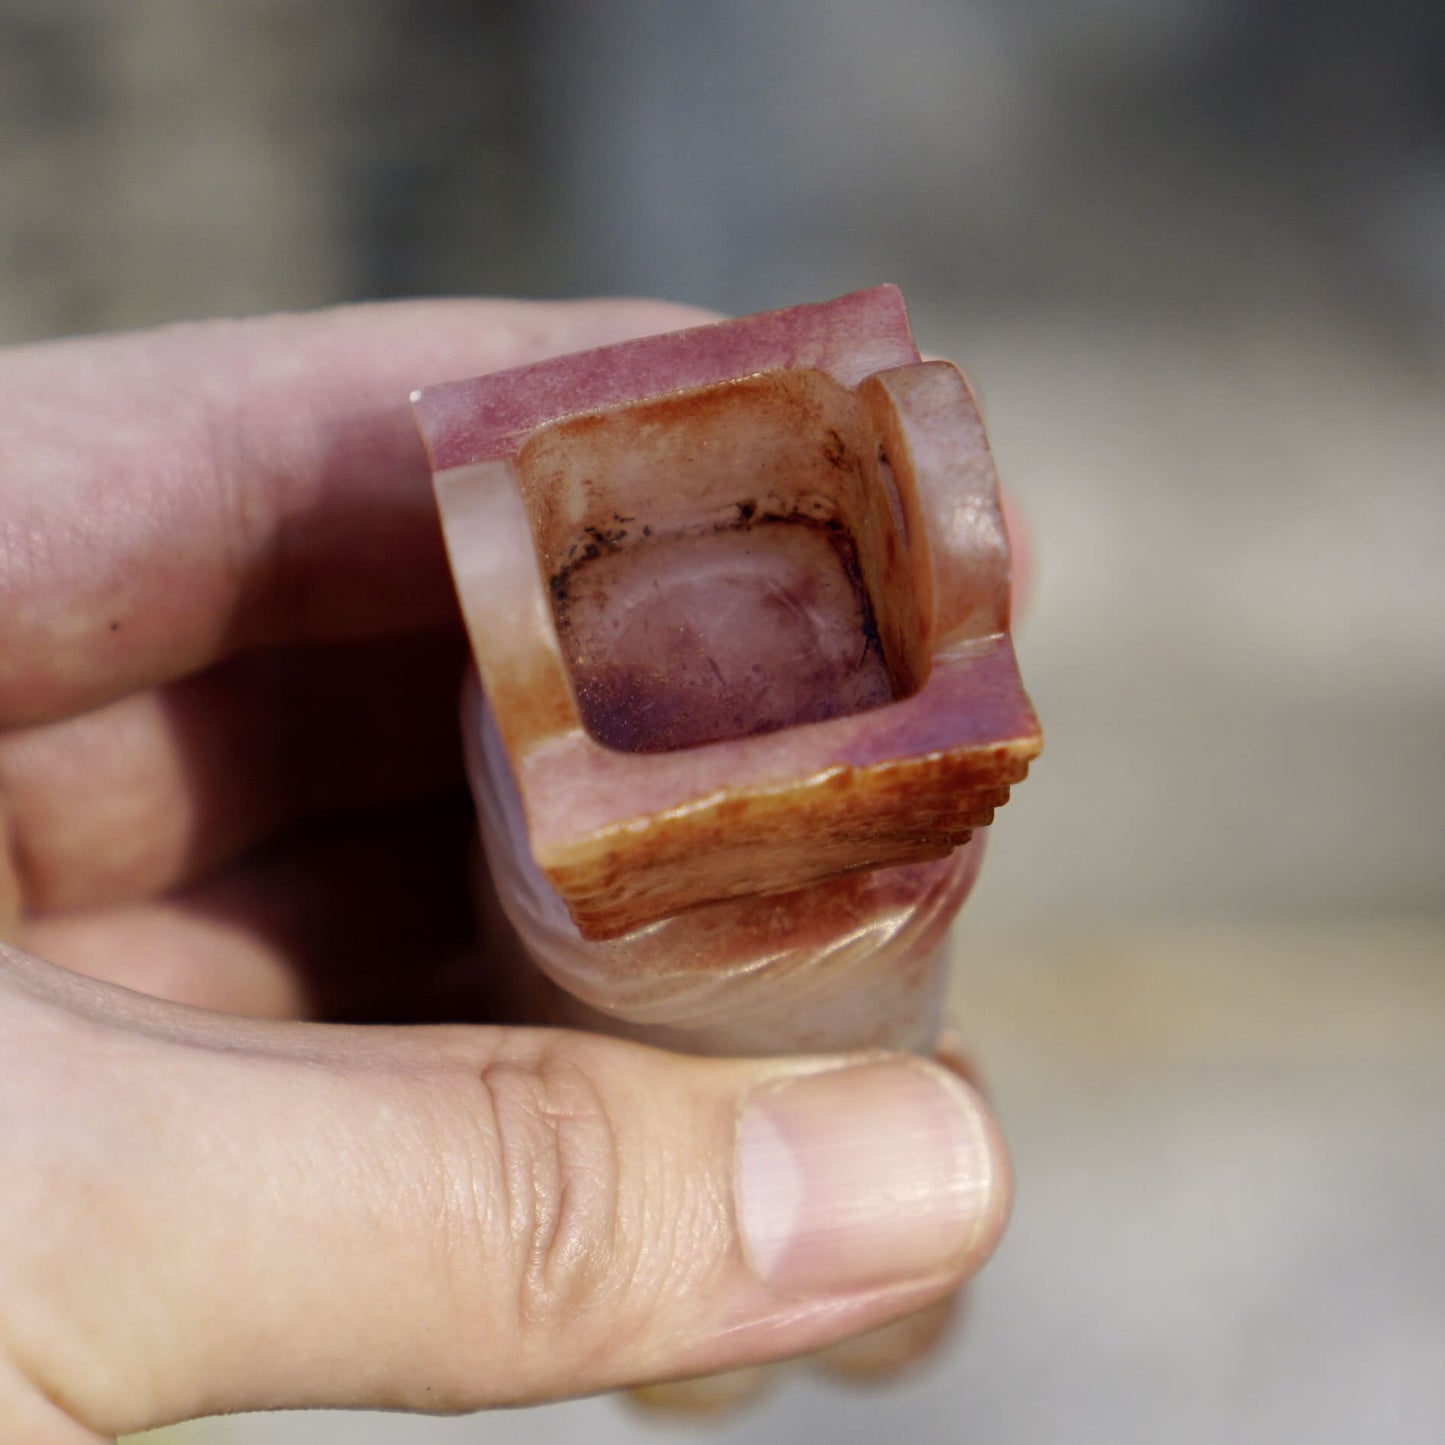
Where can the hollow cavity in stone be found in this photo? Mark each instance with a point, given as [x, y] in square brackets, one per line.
[688, 639]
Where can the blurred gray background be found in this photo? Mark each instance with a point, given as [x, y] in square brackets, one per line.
[1193, 254]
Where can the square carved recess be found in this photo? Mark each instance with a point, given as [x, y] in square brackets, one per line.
[739, 601]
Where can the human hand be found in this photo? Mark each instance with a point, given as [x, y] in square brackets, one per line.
[229, 779]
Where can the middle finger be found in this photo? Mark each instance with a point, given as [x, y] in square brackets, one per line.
[150, 793]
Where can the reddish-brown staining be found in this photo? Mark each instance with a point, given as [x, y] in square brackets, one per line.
[765, 842]
[755, 850]
[805, 921]
[535, 703]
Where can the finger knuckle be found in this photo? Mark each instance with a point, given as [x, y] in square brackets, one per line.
[557, 1162]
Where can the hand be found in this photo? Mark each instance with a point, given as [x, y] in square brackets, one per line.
[230, 800]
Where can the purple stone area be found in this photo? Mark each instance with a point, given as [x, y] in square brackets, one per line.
[692, 639]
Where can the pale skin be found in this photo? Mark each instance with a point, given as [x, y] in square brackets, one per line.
[233, 836]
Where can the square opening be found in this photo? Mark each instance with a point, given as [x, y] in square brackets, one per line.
[725, 562]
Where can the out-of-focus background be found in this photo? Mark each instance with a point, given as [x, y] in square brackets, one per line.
[1193, 253]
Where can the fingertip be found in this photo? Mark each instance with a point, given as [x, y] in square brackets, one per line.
[869, 1176]
[1021, 553]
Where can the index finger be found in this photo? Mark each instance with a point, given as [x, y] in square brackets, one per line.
[172, 497]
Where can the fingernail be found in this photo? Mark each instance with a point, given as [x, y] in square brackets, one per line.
[865, 1176]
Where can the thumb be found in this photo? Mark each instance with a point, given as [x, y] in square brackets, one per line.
[218, 1215]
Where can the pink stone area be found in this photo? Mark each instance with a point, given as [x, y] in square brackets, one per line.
[850, 337]
[692, 639]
